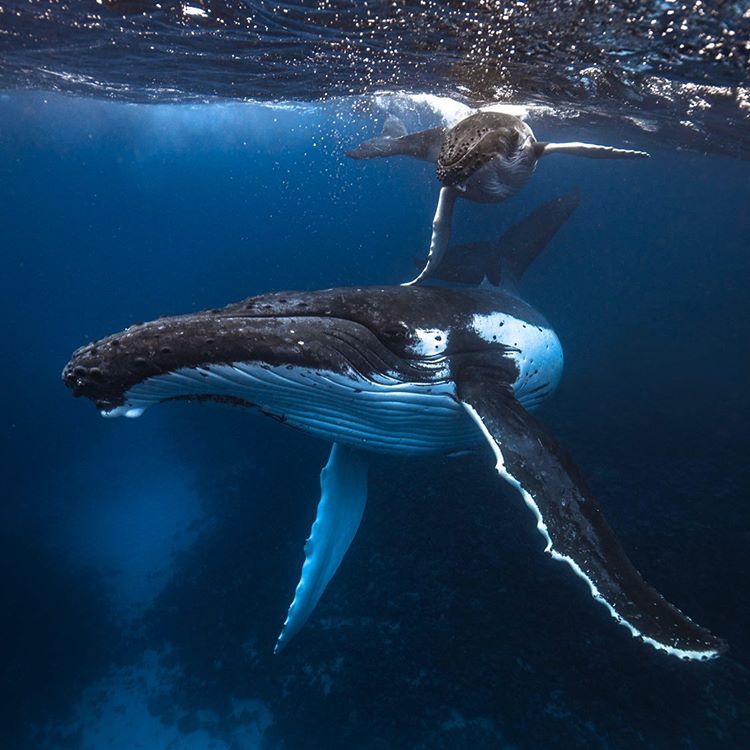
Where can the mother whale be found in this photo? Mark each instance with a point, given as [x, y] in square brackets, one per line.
[422, 369]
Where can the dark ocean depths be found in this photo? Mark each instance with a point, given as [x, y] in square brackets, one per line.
[149, 564]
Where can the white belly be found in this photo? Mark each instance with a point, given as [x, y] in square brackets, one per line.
[386, 415]
[501, 177]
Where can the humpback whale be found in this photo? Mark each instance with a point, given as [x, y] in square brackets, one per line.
[486, 157]
[451, 366]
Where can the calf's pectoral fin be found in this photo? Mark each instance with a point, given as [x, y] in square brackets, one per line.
[395, 141]
[589, 150]
[571, 521]
[442, 224]
[343, 484]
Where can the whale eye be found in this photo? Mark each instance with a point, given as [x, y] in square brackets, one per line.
[396, 333]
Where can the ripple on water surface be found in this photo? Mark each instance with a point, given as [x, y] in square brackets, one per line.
[679, 69]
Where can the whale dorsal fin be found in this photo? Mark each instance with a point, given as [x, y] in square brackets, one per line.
[343, 485]
[505, 261]
[571, 521]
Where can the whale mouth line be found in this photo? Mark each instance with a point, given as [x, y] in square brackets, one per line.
[133, 412]
[381, 412]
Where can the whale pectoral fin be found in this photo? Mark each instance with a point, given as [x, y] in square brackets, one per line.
[589, 150]
[395, 141]
[572, 523]
[442, 224]
[343, 484]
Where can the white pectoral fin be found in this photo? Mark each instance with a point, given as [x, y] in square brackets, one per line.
[590, 150]
[343, 484]
[441, 233]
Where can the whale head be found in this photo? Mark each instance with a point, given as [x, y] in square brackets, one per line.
[371, 367]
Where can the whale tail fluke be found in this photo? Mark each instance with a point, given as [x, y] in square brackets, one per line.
[504, 262]
[394, 140]
[522, 243]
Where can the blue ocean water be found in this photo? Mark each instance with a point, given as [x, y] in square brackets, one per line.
[150, 563]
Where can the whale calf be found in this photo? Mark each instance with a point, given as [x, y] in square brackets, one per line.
[486, 157]
[452, 366]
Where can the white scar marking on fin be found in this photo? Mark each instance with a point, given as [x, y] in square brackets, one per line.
[132, 412]
[549, 549]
